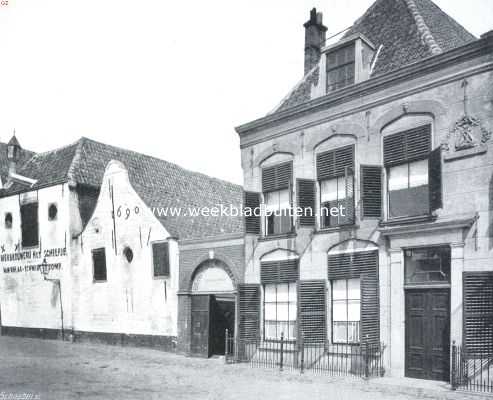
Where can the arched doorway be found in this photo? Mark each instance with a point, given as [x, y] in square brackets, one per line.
[212, 309]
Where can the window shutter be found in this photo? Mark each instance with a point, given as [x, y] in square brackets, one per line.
[371, 191]
[332, 164]
[249, 310]
[284, 271]
[435, 179]
[352, 265]
[410, 145]
[349, 201]
[29, 224]
[160, 258]
[306, 201]
[277, 177]
[252, 203]
[370, 308]
[478, 312]
[311, 309]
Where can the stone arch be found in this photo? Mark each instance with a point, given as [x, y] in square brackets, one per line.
[421, 107]
[281, 148]
[352, 245]
[279, 254]
[214, 263]
[351, 130]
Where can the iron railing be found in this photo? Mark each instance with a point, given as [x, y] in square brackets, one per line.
[362, 360]
[471, 371]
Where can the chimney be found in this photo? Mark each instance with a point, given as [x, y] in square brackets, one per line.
[13, 154]
[314, 39]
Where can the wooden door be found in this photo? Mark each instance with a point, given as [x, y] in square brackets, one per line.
[428, 334]
[200, 325]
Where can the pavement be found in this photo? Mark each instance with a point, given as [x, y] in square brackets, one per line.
[35, 369]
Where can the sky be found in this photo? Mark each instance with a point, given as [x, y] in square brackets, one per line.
[169, 79]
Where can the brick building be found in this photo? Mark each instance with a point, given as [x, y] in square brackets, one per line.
[92, 215]
[387, 138]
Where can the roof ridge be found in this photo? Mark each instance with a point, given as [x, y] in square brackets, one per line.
[423, 29]
[86, 139]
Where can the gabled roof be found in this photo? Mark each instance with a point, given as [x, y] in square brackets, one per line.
[4, 163]
[159, 184]
[406, 31]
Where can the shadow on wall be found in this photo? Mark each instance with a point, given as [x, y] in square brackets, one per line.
[490, 214]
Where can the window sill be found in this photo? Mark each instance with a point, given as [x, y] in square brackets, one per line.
[277, 237]
[336, 229]
[407, 220]
[161, 277]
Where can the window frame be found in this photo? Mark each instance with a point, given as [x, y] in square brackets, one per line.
[266, 217]
[34, 245]
[341, 66]
[358, 343]
[93, 252]
[289, 303]
[164, 276]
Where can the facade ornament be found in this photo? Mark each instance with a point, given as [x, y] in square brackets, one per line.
[275, 147]
[367, 117]
[405, 108]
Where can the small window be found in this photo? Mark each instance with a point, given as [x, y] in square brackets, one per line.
[52, 212]
[427, 265]
[346, 304]
[340, 68]
[160, 259]
[278, 216]
[8, 220]
[99, 265]
[29, 224]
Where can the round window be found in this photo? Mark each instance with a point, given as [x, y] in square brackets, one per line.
[128, 253]
[52, 212]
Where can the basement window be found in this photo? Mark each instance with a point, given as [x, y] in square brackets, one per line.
[99, 265]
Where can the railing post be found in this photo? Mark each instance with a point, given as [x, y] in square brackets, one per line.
[454, 367]
[302, 349]
[226, 347]
[367, 361]
[282, 351]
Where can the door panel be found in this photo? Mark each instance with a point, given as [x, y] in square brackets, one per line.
[200, 325]
[428, 334]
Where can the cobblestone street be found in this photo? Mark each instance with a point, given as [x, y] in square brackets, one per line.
[45, 369]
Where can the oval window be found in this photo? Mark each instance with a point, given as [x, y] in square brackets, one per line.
[128, 253]
[8, 220]
[52, 212]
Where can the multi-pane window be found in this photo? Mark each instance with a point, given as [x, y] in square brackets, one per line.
[160, 259]
[340, 68]
[99, 265]
[407, 157]
[280, 310]
[408, 189]
[336, 182]
[346, 303]
[427, 265]
[29, 224]
[276, 187]
[277, 206]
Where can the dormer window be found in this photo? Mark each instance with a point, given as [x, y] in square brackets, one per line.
[340, 67]
[348, 62]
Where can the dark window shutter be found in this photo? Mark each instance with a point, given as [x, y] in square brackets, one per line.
[29, 224]
[371, 191]
[311, 310]
[277, 177]
[435, 179]
[249, 310]
[370, 308]
[251, 204]
[349, 200]
[332, 164]
[99, 264]
[407, 146]
[284, 271]
[352, 265]
[160, 258]
[306, 201]
[478, 313]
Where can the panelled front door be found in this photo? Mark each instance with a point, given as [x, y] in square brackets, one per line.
[428, 333]
[200, 325]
